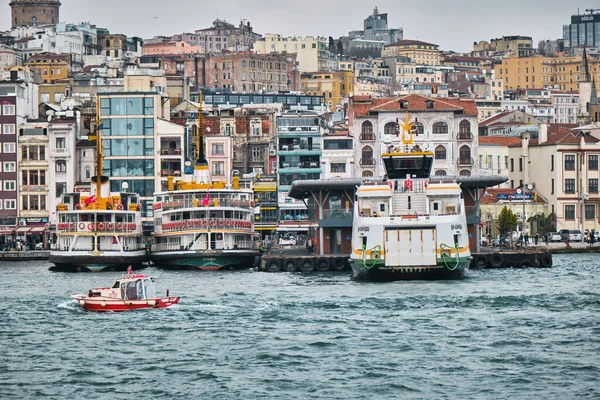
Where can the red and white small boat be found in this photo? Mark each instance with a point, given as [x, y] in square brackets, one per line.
[128, 293]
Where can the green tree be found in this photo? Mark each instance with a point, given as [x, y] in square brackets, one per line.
[331, 45]
[543, 223]
[340, 48]
[506, 221]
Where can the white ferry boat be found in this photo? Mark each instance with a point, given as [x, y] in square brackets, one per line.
[98, 230]
[409, 225]
[199, 225]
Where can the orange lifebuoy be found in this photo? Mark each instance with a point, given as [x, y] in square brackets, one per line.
[109, 226]
[228, 223]
[213, 222]
[204, 222]
[189, 223]
[100, 226]
[81, 225]
[133, 226]
[72, 227]
[221, 222]
[119, 226]
[90, 226]
[78, 206]
[196, 223]
[119, 206]
[408, 185]
[425, 184]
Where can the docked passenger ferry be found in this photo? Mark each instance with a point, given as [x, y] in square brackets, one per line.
[203, 225]
[98, 230]
[409, 225]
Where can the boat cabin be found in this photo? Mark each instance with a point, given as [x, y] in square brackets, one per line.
[134, 287]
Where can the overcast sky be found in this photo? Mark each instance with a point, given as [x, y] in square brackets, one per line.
[454, 25]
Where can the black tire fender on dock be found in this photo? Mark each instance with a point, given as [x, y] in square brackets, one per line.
[546, 260]
[480, 261]
[290, 265]
[273, 265]
[339, 264]
[496, 260]
[322, 264]
[307, 265]
[526, 263]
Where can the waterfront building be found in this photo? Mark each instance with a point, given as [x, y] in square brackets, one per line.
[34, 12]
[265, 198]
[33, 180]
[311, 52]
[18, 102]
[337, 156]
[138, 138]
[299, 151]
[494, 155]
[584, 30]
[446, 127]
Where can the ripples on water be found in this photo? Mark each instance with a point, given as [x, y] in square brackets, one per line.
[252, 335]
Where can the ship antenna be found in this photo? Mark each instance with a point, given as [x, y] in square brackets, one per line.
[201, 162]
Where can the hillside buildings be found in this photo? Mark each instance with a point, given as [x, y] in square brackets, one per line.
[311, 52]
[584, 30]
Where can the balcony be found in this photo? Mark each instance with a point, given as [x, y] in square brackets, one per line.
[367, 136]
[170, 152]
[61, 152]
[336, 219]
[464, 161]
[367, 161]
[170, 172]
[464, 136]
[34, 188]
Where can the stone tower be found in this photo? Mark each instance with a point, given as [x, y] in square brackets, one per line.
[34, 12]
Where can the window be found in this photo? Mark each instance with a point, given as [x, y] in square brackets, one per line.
[520, 164]
[569, 162]
[569, 211]
[10, 166]
[218, 168]
[465, 155]
[418, 128]
[61, 166]
[440, 128]
[367, 156]
[593, 162]
[464, 129]
[88, 172]
[61, 188]
[590, 211]
[8, 109]
[61, 143]
[8, 148]
[569, 185]
[440, 153]
[390, 128]
[593, 185]
[366, 131]
[10, 204]
[217, 149]
[512, 165]
[8, 129]
[256, 153]
[552, 162]
[552, 186]
[10, 186]
[255, 128]
[338, 167]
[505, 162]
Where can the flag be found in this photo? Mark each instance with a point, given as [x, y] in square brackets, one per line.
[90, 199]
[129, 270]
[205, 201]
[510, 198]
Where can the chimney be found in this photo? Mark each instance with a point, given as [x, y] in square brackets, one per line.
[542, 133]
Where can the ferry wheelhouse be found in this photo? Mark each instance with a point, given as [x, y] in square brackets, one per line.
[409, 225]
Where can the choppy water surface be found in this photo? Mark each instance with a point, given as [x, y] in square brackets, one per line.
[251, 335]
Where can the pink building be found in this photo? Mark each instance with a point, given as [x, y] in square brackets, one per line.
[171, 47]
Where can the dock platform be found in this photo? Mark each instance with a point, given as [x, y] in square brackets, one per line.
[292, 260]
[27, 255]
[512, 259]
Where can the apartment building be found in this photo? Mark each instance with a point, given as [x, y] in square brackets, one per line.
[418, 51]
[334, 86]
[311, 52]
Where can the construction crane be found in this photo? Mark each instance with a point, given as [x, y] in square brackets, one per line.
[592, 10]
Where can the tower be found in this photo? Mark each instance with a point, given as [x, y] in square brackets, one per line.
[585, 87]
[34, 12]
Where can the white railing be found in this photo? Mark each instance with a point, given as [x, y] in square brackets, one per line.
[217, 224]
[215, 246]
[101, 227]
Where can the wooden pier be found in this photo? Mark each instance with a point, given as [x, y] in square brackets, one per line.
[27, 255]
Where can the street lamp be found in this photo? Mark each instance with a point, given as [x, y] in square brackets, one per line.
[584, 197]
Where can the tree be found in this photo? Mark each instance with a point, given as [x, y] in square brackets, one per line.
[506, 222]
[340, 48]
[544, 223]
[331, 45]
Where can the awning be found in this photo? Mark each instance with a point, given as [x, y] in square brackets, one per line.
[23, 229]
[37, 229]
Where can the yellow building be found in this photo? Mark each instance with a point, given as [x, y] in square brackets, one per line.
[51, 67]
[311, 52]
[521, 46]
[333, 85]
[539, 71]
[419, 52]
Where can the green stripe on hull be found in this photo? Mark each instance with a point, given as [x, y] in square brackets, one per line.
[380, 272]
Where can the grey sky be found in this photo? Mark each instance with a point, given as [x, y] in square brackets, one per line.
[454, 25]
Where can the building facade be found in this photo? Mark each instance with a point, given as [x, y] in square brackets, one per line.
[446, 127]
[311, 52]
[584, 30]
[50, 67]
[520, 46]
[419, 52]
[334, 86]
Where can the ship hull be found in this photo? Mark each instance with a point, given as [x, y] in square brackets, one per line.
[206, 261]
[86, 262]
[382, 273]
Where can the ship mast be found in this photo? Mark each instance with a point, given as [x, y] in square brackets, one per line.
[201, 162]
[96, 136]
